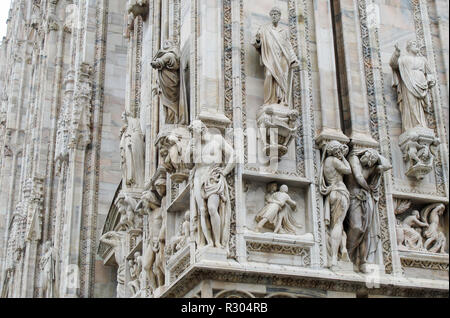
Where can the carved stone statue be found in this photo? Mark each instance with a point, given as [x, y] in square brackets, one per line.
[153, 261]
[71, 18]
[126, 205]
[47, 267]
[361, 222]
[276, 215]
[172, 146]
[214, 160]
[171, 84]
[132, 151]
[276, 120]
[116, 239]
[413, 78]
[135, 266]
[435, 240]
[337, 197]
[278, 58]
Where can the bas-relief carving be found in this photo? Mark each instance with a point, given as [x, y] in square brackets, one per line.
[132, 152]
[276, 214]
[413, 80]
[212, 159]
[421, 236]
[361, 224]
[171, 86]
[277, 118]
[334, 166]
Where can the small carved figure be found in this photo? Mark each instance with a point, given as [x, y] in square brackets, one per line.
[214, 160]
[135, 266]
[47, 266]
[361, 221]
[275, 215]
[334, 167]
[435, 240]
[413, 79]
[132, 151]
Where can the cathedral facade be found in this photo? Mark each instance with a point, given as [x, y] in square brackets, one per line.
[224, 148]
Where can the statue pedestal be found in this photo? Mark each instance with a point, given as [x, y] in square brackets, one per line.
[417, 148]
[276, 124]
[214, 254]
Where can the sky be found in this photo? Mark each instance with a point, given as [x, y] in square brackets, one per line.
[4, 10]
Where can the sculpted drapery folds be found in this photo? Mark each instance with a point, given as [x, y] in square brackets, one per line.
[412, 79]
[132, 152]
[361, 223]
[278, 57]
[213, 157]
[337, 197]
[171, 83]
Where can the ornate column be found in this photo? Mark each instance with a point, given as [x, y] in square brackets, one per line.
[328, 74]
[352, 81]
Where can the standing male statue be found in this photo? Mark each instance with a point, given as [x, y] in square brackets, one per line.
[278, 58]
[333, 169]
[412, 79]
[361, 222]
[132, 152]
[213, 157]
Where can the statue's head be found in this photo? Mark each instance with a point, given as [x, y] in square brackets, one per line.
[412, 47]
[284, 188]
[415, 213]
[336, 149]
[160, 186]
[275, 14]
[187, 215]
[125, 116]
[369, 158]
[272, 187]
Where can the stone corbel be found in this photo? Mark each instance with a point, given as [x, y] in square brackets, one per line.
[135, 8]
[418, 146]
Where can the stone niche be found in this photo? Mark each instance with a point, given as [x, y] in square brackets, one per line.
[256, 15]
[422, 233]
[292, 244]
